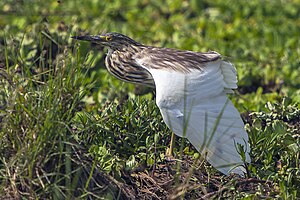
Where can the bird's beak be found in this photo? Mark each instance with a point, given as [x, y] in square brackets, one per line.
[91, 38]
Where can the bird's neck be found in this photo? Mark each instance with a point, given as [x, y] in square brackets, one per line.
[110, 51]
[128, 50]
[121, 64]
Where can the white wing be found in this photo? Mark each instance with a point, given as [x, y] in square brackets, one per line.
[195, 105]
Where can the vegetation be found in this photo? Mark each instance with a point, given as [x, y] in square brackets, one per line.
[70, 130]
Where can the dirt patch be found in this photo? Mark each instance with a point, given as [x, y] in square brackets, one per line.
[169, 180]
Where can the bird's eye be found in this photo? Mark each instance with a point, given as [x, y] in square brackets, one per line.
[108, 38]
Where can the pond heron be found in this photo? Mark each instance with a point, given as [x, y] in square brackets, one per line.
[191, 93]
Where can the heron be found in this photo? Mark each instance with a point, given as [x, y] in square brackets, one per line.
[191, 92]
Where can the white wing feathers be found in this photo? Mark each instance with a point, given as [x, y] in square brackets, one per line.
[229, 74]
[198, 101]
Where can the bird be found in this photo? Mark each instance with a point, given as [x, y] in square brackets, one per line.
[191, 92]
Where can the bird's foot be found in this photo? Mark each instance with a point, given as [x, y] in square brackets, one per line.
[169, 155]
[169, 152]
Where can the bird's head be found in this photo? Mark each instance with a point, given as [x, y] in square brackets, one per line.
[113, 41]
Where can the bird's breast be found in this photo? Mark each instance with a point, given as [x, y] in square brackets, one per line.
[124, 68]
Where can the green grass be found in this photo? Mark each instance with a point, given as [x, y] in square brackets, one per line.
[70, 130]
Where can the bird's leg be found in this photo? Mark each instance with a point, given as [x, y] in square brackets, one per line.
[169, 152]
